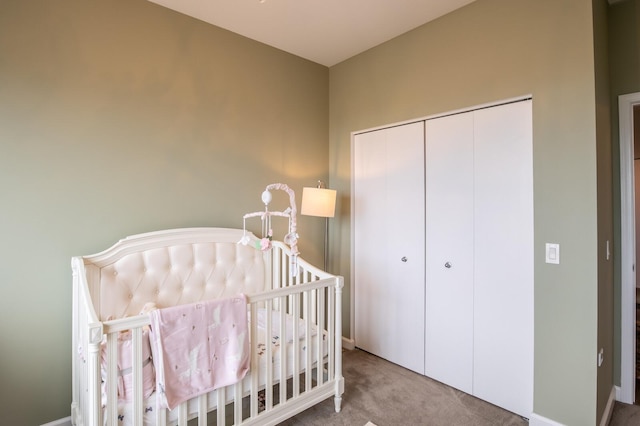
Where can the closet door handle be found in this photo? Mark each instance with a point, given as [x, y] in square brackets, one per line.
[404, 258]
[447, 265]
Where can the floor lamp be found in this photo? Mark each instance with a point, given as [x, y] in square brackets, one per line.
[320, 202]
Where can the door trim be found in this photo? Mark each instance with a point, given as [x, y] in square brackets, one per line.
[627, 250]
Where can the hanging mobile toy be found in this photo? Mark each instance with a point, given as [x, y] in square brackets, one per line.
[290, 239]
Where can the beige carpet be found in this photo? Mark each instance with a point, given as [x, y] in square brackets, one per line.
[625, 415]
[385, 394]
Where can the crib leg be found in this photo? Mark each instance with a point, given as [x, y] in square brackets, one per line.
[338, 403]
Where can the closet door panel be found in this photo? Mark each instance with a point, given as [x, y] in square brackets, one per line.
[389, 244]
[369, 264]
[449, 250]
[503, 304]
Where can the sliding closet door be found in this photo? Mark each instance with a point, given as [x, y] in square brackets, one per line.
[388, 226]
[503, 304]
[449, 250]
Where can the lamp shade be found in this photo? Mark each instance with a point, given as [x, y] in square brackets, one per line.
[319, 202]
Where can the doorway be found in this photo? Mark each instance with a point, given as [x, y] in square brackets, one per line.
[629, 114]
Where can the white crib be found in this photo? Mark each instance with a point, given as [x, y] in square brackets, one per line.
[296, 349]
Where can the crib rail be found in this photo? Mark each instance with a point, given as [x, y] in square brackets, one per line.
[268, 395]
[255, 401]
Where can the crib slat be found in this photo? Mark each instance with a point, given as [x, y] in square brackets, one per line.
[254, 359]
[285, 271]
[321, 325]
[314, 313]
[276, 283]
[136, 357]
[237, 403]
[307, 339]
[182, 414]
[202, 410]
[283, 354]
[296, 344]
[332, 333]
[112, 379]
[161, 414]
[269, 356]
[221, 399]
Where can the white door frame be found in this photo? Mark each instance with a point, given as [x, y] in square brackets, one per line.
[627, 250]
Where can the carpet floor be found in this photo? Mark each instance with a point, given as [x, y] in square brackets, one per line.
[386, 394]
[625, 415]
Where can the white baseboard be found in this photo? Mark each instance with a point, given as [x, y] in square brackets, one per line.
[626, 397]
[606, 416]
[62, 422]
[348, 344]
[538, 420]
[618, 393]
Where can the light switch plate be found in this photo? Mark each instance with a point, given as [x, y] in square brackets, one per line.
[552, 253]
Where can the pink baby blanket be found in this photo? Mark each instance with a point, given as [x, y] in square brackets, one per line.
[199, 347]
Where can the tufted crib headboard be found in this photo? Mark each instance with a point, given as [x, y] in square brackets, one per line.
[173, 267]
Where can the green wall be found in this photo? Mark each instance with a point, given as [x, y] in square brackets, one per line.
[487, 51]
[624, 67]
[120, 117]
[605, 207]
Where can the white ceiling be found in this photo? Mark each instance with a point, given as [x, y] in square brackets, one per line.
[322, 31]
